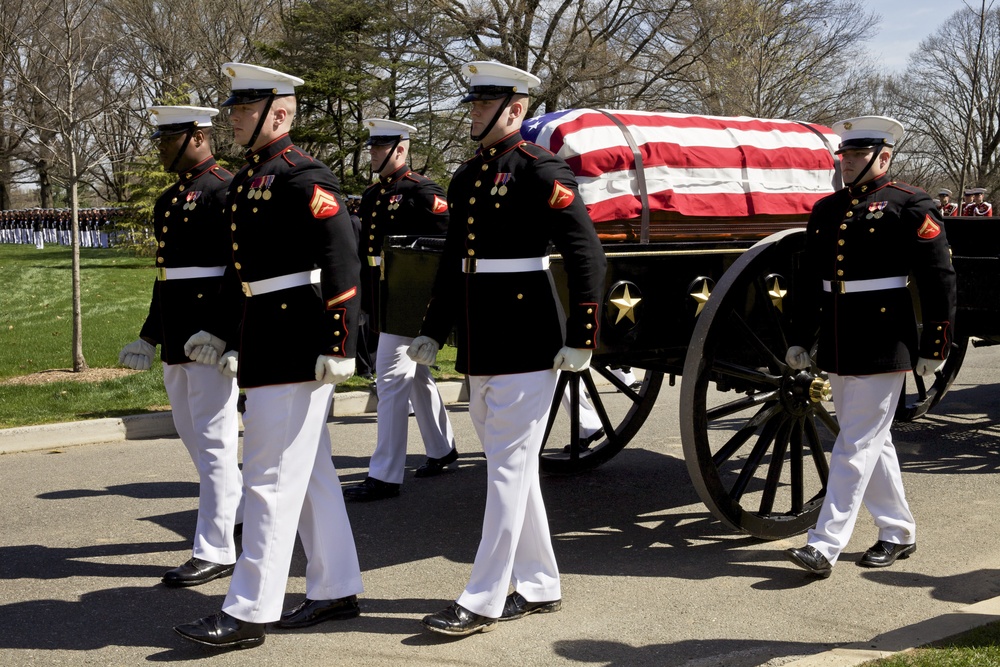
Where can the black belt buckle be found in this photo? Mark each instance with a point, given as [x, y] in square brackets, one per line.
[469, 265]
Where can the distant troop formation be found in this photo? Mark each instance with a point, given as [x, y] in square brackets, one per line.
[973, 204]
[99, 227]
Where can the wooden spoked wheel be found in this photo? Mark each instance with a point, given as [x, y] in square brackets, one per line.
[755, 432]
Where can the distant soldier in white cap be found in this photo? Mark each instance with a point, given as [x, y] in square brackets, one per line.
[968, 202]
[293, 298]
[949, 209]
[401, 203]
[192, 239]
[507, 204]
[978, 207]
[861, 244]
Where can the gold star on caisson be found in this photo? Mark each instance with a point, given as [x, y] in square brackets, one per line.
[626, 304]
[701, 297]
[777, 295]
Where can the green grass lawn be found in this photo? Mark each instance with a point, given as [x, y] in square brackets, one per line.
[36, 334]
[979, 647]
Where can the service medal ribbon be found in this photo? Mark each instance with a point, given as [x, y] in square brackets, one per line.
[189, 201]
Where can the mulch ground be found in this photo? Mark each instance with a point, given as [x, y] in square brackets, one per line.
[67, 375]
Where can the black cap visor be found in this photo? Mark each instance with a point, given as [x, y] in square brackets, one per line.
[249, 96]
[487, 93]
[172, 128]
[859, 144]
[384, 140]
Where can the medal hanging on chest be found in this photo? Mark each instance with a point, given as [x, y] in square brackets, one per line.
[267, 187]
[394, 202]
[500, 184]
[875, 209]
[254, 191]
[192, 200]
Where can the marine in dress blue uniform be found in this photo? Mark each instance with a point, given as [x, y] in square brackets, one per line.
[507, 204]
[862, 243]
[192, 248]
[290, 303]
[401, 203]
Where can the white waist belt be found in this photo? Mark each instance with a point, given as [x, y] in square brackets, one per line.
[852, 286]
[473, 265]
[187, 272]
[374, 260]
[258, 287]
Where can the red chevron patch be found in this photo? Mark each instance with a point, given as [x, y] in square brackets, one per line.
[929, 229]
[561, 196]
[323, 204]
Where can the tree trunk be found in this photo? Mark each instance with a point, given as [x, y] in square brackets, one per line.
[5, 202]
[79, 363]
[44, 184]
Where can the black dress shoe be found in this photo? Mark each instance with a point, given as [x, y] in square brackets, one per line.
[222, 631]
[884, 554]
[195, 572]
[432, 466]
[457, 621]
[516, 607]
[811, 560]
[371, 489]
[310, 612]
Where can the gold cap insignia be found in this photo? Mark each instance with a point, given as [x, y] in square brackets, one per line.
[848, 126]
[230, 71]
[473, 70]
[155, 112]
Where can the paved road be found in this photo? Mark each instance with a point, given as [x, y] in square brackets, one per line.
[649, 578]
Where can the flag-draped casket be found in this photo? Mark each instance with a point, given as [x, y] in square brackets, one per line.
[699, 175]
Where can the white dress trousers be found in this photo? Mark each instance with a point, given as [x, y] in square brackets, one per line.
[291, 485]
[402, 382]
[509, 413]
[863, 466]
[203, 403]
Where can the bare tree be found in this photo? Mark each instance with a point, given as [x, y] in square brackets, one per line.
[782, 58]
[587, 53]
[949, 92]
[68, 40]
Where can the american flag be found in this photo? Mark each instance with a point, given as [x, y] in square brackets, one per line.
[694, 166]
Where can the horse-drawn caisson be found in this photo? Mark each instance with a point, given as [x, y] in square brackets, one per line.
[701, 220]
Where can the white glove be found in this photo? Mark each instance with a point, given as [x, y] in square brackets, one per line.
[228, 363]
[137, 355]
[797, 357]
[572, 359]
[423, 350]
[333, 370]
[204, 348]
[927, 366]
